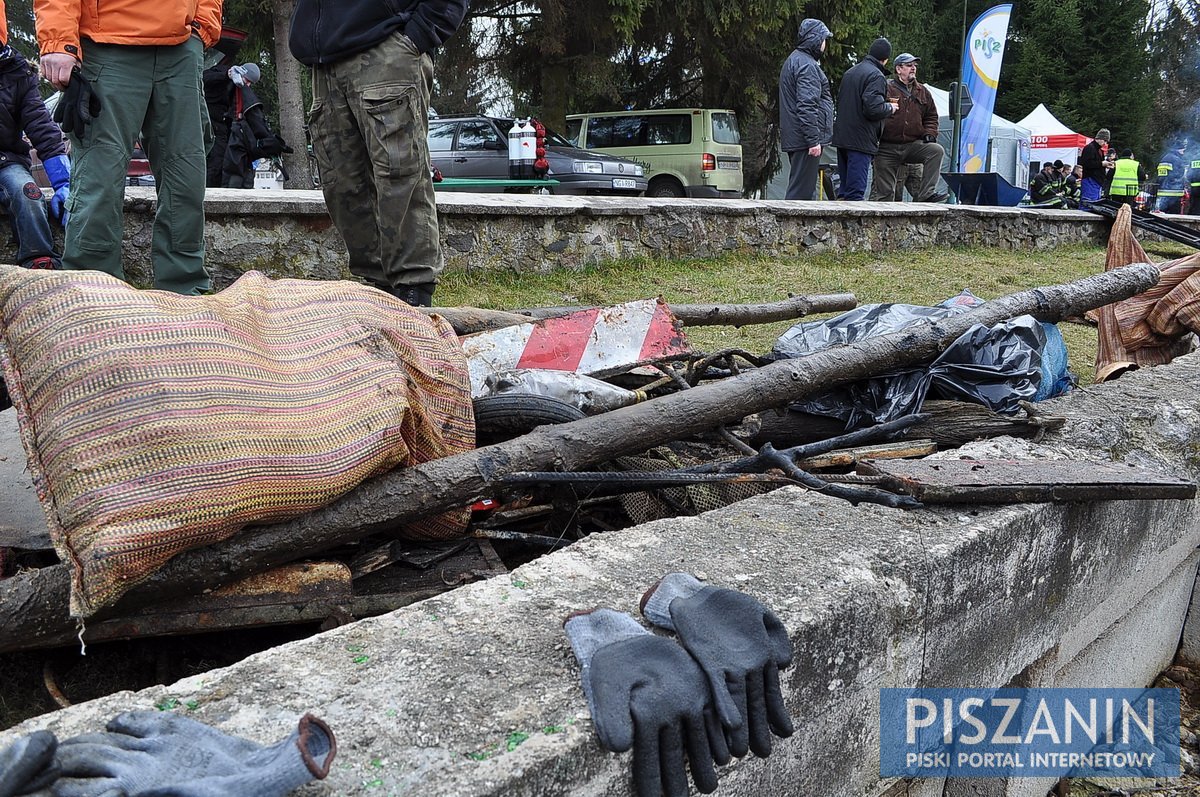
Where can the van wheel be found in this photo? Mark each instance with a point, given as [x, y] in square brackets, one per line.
[665, 187]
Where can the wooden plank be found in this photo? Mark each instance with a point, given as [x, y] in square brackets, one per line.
[849, 456]
[995, 481]
[295, 593]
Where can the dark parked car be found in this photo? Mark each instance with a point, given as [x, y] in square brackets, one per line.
[477, 147]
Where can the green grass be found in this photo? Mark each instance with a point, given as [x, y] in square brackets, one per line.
[918, 277]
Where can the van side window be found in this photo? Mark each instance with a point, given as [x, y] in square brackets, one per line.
[477, 136]
[620, 131]
[725, 129]
[672, 129]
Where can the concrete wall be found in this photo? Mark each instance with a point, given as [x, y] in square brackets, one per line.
[476, 692]
[289, 234]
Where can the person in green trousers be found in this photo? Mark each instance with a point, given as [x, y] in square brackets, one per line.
[141, 62]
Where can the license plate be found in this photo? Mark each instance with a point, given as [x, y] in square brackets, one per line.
[728, 165]
[620, 182]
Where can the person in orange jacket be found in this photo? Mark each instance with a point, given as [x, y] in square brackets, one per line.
[128, 68]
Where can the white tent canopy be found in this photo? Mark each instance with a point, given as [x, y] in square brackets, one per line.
[1050, 139]
[1008, 142]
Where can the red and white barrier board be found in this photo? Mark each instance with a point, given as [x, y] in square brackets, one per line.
[598, 342]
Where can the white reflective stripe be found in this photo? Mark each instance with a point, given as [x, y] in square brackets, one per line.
[492, 352]
[617, 339]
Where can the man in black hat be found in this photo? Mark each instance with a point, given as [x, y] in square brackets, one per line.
[861, 110]
[1047, 189]
[909, 137]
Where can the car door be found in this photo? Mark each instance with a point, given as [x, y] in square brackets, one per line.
[480, 152]
[441, 146]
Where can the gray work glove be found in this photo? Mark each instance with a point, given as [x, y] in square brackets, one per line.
[646, 693]
[28, 764]
[159, 754]
[740, 645]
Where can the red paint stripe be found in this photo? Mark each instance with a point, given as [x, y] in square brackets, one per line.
[558, 343]
[663, 337]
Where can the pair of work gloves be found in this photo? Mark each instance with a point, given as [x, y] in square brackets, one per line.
[160, 754]
[713, 695]
[76, 109]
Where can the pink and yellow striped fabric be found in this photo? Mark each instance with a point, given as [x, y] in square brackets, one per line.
[156, 423]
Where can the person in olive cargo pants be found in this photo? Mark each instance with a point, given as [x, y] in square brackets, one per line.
[143, 61]
[372, 76]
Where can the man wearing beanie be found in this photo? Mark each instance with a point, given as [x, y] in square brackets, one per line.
[135, 66]
[243, 134]
[1095, 166]
[862, 108]
[372, 75]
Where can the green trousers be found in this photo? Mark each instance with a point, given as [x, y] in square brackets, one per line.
[368, 123]
[154, 92]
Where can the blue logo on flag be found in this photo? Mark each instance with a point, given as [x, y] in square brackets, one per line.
[1114, 733]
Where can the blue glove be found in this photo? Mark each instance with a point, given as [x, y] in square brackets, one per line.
[58, 169]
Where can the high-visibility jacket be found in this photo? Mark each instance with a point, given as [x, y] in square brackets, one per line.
[1125, 178]
[62, 23]
[1193, 176]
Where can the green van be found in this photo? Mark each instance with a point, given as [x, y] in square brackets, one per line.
[695, 152]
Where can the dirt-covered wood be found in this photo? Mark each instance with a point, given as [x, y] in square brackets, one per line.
[949, 424]
[35, 603]
[734, 315]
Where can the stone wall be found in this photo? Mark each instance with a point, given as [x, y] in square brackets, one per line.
[289, 234]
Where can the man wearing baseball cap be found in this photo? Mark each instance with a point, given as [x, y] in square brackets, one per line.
[909, 136]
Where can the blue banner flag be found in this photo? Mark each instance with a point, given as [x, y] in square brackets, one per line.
[983, 53]
[981, 733]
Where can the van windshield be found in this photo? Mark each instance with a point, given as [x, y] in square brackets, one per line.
[725, 129]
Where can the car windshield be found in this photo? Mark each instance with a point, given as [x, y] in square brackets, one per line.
[552, 138]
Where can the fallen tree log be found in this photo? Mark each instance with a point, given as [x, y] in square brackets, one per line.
[690, 315]
[33, 605]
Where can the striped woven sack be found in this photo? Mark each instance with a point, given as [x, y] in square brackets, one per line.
[157, 423]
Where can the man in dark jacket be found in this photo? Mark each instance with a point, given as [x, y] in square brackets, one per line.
[1093, 159]
[805, 108]
[909, 137]
[1172, 179]
[861, 109]
[1048, 189]
[244, 129]
[23, 112]
[372, 76]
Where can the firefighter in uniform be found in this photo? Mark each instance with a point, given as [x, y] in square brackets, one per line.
[1171, 180]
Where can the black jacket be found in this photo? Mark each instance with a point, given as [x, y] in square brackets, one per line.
[861, 107]
[325, 31]
[805, 103]
[22, 111]
[1091, 158]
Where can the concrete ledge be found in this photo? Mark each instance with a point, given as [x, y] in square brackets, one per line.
[476, 692]
[289, 234]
